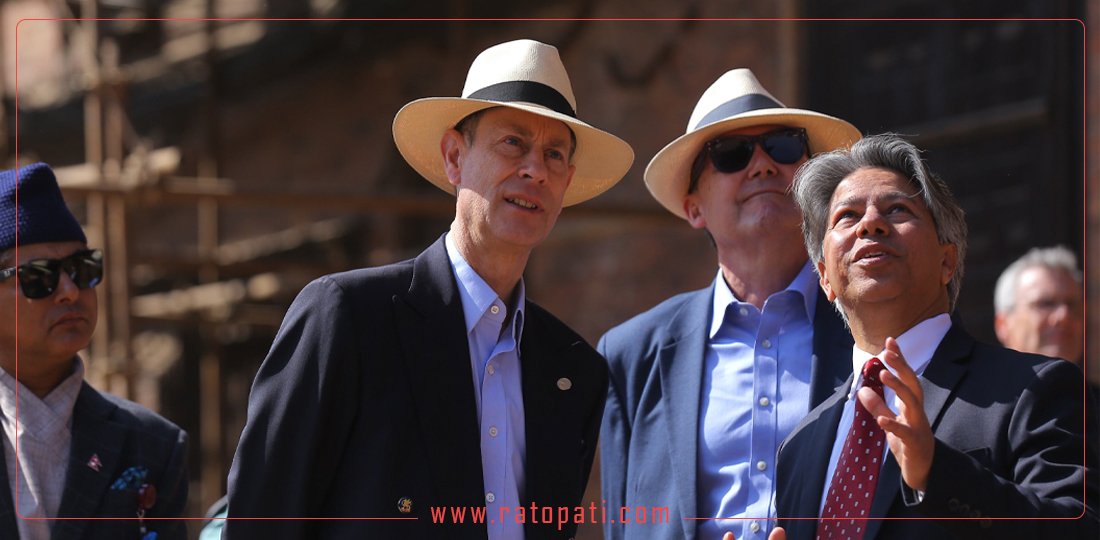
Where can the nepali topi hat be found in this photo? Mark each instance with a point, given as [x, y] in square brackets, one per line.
[32, 210]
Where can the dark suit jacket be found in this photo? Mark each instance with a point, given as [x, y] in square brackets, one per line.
[649, 439]
[367, 398]
[1009, 443]
[122, 434]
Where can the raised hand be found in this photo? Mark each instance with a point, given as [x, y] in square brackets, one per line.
[908, 432]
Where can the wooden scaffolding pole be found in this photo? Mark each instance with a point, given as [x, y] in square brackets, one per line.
[213, 473]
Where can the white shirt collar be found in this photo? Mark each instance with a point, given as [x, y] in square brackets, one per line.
[917, 345]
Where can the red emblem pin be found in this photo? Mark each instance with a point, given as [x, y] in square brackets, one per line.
[147, 496]
[94, 463]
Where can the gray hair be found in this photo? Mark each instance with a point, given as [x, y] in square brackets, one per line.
[817, 179]
[1053, 258]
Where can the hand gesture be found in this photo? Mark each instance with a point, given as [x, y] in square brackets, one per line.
[908, 432]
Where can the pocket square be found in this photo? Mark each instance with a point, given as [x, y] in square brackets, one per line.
[131, 478]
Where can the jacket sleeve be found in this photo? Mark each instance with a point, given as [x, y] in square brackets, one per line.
[614, 444]
[1047, 482]
[298, 418]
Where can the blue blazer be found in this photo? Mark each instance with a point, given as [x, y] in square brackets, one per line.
[1009, 443]
[649, 439]
[364, 407]
[122, 434]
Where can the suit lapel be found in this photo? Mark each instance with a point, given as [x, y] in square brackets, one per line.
[551, 460]
[887, 492]
[681, 365]
[432, 333]
[832, 356]
[93, 434]
[812, 464]
[8, 526]
[943, 374]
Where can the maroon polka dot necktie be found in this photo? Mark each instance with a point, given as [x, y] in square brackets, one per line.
[857, 470]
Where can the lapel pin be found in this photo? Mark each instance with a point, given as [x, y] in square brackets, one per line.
[94, 463]
[404, 505]
[146, 498]
[564, 384]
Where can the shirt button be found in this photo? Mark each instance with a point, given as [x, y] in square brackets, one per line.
[493, 431]
[764, 401]
[744, 312]
[767, 344]
[491, 369]
[489, 497]
[494, 310]
[760, 465]
[755, 527]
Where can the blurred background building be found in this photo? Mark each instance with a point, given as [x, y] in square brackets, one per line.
[223, 164]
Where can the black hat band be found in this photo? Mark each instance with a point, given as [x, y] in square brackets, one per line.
[743, 104]
[526, 91]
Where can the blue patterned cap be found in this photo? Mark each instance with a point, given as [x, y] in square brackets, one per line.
[32, 210]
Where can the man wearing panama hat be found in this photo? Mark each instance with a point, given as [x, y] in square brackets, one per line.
[704, 386]
[434, 382]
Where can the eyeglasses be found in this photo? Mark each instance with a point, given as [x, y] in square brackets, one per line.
[39, 278]
[1046, 306]
[732, 153]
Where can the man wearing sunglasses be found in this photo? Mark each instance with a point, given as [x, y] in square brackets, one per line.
[69, 450]
[708, 383]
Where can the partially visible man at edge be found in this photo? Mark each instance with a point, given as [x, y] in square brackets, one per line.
[72, 452]
[1038, 304]
[706, 385]
[1039, 309]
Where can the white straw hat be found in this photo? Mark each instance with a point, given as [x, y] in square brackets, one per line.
[734, 101]
[525, 75]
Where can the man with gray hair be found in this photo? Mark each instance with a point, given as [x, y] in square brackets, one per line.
[1038, 304]
[933, 426]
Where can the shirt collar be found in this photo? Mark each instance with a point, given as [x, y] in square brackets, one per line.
[477, 296]
[917, 344]
[42, 417]
[804, 284]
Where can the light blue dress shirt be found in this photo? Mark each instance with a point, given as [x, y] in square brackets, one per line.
[494, 339]
[917, 344]
[756, 388]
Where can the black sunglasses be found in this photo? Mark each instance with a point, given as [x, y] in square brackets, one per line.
[38, 278]
[732, 153]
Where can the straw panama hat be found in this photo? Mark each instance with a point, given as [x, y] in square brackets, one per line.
[525, 75]
[735, 100]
